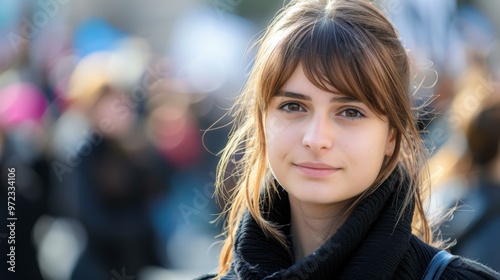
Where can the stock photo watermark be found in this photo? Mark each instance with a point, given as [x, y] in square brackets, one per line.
[222, 7]
[48, 9]
[201, 200]
[11, 219]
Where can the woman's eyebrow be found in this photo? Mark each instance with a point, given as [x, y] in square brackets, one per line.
[334, 99]
[344, 99]
[293, 95]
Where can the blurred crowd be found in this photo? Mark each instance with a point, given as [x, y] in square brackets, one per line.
[113, 115]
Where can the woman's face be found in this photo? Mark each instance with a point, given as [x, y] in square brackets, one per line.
[322, 147]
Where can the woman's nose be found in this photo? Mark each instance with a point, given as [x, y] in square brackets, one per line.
[318, 134]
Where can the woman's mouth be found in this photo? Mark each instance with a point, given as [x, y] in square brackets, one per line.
[316, 169]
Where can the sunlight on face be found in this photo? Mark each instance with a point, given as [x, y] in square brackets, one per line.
[323, 148]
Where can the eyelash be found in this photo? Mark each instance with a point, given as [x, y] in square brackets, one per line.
[359, 114]
[283, 107]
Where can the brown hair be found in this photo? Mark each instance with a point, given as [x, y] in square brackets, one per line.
[345, 44]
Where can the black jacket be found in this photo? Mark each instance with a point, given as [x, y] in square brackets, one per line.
[372, 244]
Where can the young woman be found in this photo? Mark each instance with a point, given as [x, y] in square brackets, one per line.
[329, 162]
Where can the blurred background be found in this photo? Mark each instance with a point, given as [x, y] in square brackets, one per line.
[112, 113]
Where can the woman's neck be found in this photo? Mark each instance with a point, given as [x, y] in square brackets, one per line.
[312, 225]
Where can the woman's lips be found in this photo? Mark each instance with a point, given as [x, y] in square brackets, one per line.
[316, 169]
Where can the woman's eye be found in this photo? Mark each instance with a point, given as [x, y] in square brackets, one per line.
[352, 113]
[292, 107]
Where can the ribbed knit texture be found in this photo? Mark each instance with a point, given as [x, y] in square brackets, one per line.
[372, 244]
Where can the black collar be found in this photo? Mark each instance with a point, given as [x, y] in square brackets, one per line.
[369, 245]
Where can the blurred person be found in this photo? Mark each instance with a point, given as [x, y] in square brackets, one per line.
[471, 88]
[182, 214]
[210, 54]
[331, 179]
[174, 129]
[477, 219]
[110, 170]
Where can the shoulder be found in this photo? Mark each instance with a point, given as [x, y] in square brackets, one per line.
[419, 257]
[463, 268]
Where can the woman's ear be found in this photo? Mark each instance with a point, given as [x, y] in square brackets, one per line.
[391, 142]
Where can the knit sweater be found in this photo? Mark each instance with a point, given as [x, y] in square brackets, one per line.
[372, 244]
